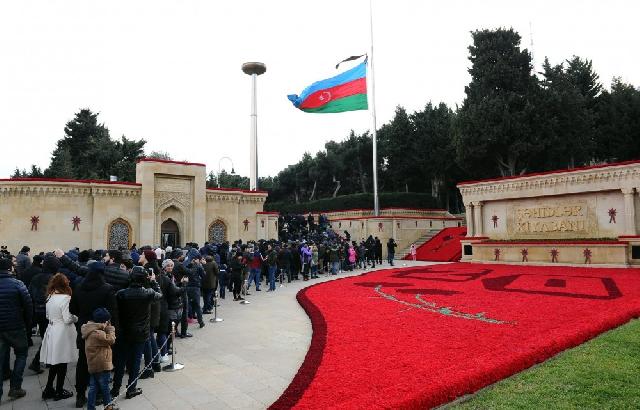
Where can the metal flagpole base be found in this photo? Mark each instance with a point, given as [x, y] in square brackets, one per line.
[245, 302]
[216, 320]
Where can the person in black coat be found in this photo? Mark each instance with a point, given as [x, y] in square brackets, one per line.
[171, 304]
[38, 290]
[378, 246]
[91, 293]
[15, 318]
[114, 274]
[29, 273]
[134, 310]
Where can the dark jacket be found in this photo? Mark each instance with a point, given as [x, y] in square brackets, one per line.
[134, 310]
[196, 274]
[16, 309]
[28, 274]
[211, 271]
[88, 295]
[171, 293]
[156, 307]
[116, 277]
[23, 261]
[38, 292]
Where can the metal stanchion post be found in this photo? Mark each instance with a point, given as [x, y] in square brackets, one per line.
[281, 278]
[244, 290]
[173, 366]
[215, 318]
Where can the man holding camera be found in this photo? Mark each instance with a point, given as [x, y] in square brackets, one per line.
[134, 309]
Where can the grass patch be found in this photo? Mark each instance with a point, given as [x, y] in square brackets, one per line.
[599, 374]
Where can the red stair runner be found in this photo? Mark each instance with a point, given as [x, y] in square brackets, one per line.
[443, 247]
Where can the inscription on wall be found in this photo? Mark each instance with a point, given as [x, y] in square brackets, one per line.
[173, 185]
[555, 220]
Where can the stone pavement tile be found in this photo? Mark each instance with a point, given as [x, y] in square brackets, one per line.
[215, 404]
[264, 396]
[238, 400]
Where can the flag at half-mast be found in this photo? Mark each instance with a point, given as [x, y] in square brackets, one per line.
[345, 92]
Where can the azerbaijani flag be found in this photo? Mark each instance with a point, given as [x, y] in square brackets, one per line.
[345, 92]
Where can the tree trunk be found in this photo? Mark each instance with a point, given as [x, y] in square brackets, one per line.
[313, 191]
[295, 192]
[335, 192]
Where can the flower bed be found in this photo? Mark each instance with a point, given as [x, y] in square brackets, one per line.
[420, 337]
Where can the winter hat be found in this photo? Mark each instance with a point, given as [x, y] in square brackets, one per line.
[138, 274]
[51, 264]
[126, 255]
[150, 255]
[101, 315]
[37, 260]
[84, 256]
[5, 263]
[96, 267]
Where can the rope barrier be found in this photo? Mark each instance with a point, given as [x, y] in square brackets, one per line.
[170, 368]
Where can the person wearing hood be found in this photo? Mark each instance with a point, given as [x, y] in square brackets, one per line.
[196, 273]
[134, 309]
[38, 292]
[15, 318]
[90, 294]
[98, 336]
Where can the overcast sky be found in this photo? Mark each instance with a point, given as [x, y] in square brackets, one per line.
[169, 71]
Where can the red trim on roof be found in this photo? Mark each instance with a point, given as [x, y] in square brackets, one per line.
[545, 243]
[438, 218]
[557, 171]
[60, 180]
[246, 191]
[628, 236]
[371, 210]
[167, 161]
[267, 213]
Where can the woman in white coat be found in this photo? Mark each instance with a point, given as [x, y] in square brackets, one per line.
[59, 341]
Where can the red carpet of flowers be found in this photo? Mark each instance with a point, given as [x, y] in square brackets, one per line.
[420, 337]
[443, 247]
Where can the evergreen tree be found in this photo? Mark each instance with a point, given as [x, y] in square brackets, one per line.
[496, 127]
[88, 152]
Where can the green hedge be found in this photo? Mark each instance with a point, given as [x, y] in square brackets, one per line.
[365, 201]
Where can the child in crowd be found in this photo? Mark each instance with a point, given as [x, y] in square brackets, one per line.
[99, 336]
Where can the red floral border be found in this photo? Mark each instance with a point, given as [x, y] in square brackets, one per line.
[293, 395]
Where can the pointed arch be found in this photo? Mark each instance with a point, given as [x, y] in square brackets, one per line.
[119, 234]
[217, 231]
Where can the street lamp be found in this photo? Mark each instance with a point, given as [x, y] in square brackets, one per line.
[220, 168]
[254, 69]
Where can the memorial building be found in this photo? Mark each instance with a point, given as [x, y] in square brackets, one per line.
[581, 216]
[169, 204]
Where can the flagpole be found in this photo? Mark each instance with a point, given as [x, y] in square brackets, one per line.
[376, 205]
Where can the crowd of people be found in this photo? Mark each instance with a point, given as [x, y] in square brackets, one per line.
[114, 310]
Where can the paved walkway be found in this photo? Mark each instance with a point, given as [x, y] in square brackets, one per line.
[244, 362]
